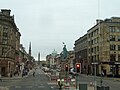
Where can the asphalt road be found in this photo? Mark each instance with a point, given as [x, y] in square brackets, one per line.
[39, 82]
[42, 82]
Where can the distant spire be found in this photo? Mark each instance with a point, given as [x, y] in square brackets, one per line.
[30, 49]
[39, 56]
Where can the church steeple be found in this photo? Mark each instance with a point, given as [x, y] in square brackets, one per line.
[30, 49]
[39, 56]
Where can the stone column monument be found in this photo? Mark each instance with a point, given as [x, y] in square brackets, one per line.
[64, 55]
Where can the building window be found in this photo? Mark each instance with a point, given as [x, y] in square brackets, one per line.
[92, 50]
[118, 38]
[89, 35]
[5, 29]
[97, 57]
[4, 50]
[92, 34]
[118, 29]
[112, 47]
[111, 68]
[97, 40]
[89, 43]
[112, 38]
[118, 47]
[92, 59]
[97, 48]
[112, 57]
[5, 34]
[119, 57]
[112, 28]
[92, 42]
[89, 50]
[4, 41]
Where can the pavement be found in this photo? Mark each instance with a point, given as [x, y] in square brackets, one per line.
[106, 78]
[16, 77]
[11, 78]
[4, 88]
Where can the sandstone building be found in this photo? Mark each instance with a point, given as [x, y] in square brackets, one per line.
[9, 43]
[103, 47]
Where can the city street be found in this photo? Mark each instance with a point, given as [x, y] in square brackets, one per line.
[39, 82]
[42, 82]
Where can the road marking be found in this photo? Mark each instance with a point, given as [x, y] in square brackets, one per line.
[17, 86]
[52, 87]
[41, 86]
[29, 86]
[52, 83]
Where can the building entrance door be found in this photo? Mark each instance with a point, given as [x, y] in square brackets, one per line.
[117, 70]
[3, 71]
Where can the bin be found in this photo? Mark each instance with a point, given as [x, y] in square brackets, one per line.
[82, 86]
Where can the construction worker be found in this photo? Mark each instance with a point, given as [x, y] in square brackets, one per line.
[60, 84]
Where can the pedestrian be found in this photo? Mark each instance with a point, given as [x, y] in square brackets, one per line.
[11, 74]
[0, 77]
[34, 73]
[87, 74]
[23, 72]
[60, 84]
[102, 73]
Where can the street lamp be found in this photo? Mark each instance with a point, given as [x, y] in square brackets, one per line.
[95, 83]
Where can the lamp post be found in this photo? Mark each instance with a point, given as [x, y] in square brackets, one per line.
[95, 83]
[63, 61]
[101, 81]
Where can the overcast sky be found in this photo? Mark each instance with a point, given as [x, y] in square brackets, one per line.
[48, 23]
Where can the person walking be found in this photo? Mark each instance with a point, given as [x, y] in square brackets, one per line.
[0, 77]
[60, 84]
[33, 72]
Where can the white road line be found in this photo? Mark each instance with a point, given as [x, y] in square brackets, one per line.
[17, 86]
[41, 86]
[52, 83]
[29, 86]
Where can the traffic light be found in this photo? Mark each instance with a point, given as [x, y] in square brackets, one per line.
[66, 67]
[78, 67]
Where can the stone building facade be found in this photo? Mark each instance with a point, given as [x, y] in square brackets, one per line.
[81, 53]
[103, 48]
[9, 42]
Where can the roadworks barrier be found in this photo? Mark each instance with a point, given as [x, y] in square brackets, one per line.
[66, 86]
